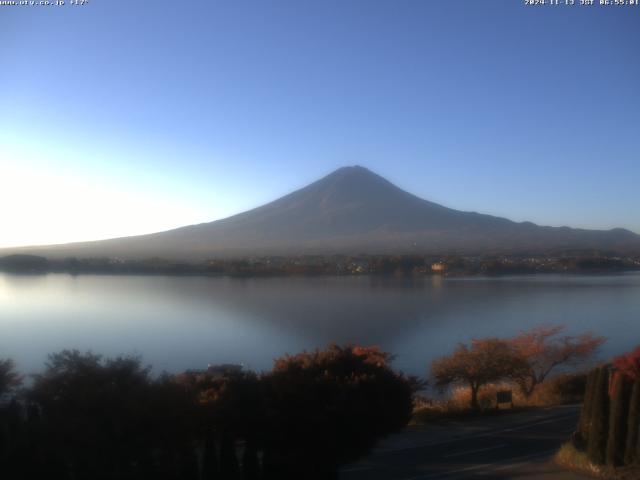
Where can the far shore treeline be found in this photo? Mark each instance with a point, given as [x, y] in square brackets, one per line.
[309, 265]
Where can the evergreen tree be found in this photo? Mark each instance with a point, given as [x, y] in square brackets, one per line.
[587, 406]
[599, 419]
[633, 426]
[617, 421]
[637, 460]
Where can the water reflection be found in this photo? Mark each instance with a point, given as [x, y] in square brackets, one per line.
[178, 323]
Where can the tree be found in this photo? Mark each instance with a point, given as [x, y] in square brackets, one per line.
[599, 419]
[230, 407]
[628, 364]
[587, 405]
[9, 378]
[14, 438]
[329, 407]
[106, 418]
[485, 361]
[618, 421]
[232, 402]
[633, 426]
[627, 367]
[543, 349]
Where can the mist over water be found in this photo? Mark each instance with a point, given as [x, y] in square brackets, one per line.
[176, 323]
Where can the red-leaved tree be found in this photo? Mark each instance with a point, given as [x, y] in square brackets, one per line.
[628, 364]
[484, 361]
[543, 349]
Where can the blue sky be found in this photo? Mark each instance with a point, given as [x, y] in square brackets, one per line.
[122, 117]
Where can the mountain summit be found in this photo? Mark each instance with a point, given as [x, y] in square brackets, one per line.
[350, 211]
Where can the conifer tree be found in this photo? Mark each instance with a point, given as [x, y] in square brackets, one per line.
[587, 405]
[637, 458]
[599, 418]
[633, 427]
[617, 421]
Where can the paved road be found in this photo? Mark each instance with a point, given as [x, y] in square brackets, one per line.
[510, 446]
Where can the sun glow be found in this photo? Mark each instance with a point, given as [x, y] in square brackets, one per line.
[47, 205]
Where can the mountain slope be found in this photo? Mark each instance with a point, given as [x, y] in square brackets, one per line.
[352, 210]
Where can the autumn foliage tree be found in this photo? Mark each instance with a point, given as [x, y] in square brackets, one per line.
[628, 365]
[229, 407]
[329, 407]
[86, 417]
[527, 359]
[484, 361]
[544, 349]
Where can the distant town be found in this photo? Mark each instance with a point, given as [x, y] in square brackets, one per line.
[310, 265]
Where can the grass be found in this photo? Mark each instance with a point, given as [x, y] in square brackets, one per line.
[576, 460]
[561, 390]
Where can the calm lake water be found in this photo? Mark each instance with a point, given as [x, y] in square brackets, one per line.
[176, 323]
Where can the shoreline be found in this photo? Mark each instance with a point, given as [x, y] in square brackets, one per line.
[261, 275]
[449, 266]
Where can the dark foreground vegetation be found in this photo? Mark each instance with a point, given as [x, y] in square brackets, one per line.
[607, 441]
[87, 417]
[572, 262]
[91, 418]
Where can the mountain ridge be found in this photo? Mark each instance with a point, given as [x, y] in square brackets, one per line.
[349, 211]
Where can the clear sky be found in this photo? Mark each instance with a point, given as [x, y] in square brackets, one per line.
[123, 117]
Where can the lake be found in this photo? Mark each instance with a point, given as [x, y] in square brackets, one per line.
[176, 323]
